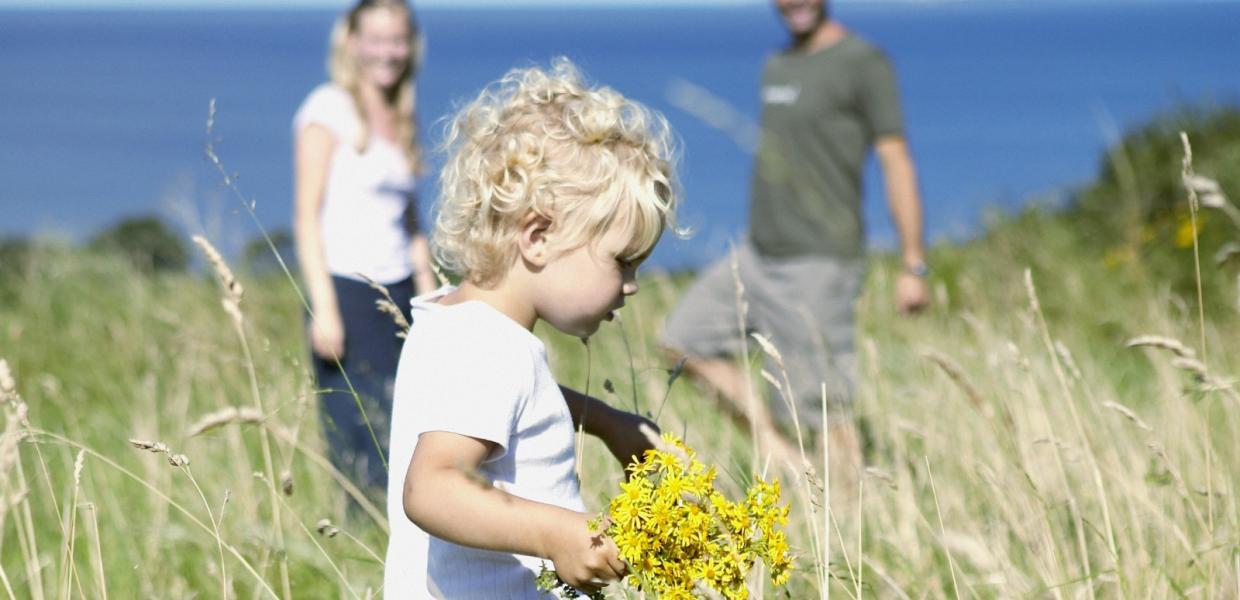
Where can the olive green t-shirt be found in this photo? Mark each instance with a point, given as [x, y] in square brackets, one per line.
[821, 112]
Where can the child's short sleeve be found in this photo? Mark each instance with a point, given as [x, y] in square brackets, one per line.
[465, 379]
[330, 107]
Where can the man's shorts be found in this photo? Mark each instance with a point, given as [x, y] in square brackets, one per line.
[803, 305]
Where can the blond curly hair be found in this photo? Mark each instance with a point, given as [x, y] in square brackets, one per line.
[542, 141]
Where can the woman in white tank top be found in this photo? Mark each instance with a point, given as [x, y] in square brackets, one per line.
[355, 152]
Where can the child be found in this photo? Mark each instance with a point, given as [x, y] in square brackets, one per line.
[552, 196]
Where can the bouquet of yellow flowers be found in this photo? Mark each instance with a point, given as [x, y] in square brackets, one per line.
[678, 533]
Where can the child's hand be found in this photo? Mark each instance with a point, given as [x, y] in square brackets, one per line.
[630, 436]
[627, 435]
[585, 559]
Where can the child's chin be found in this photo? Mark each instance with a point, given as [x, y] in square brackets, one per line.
[579, 329]
[586, 331]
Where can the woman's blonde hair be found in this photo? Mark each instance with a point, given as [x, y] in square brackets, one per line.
[343, 69]
[541, 141]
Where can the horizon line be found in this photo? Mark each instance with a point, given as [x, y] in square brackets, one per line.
[433, 5]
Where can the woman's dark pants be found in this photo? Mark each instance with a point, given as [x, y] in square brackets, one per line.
[371, 352]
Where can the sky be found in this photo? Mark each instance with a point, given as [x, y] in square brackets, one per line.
[340, 4]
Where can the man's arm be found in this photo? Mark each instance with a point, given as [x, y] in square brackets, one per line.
[900, 180]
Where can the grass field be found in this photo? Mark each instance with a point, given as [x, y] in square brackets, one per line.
[1018, 443]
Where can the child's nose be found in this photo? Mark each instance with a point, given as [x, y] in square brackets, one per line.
[630, 287]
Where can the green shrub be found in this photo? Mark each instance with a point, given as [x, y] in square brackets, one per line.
[147, 242]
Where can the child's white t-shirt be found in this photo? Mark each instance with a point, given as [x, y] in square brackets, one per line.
[471, 370]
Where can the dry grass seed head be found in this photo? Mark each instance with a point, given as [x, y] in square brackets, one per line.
[1127, 412]
[8, 388]
[1065, 356]
[224, 416]
[768, 347]
[388, 306]
[8, 395]
[1032, 291]
[176, 460]
[232, 288]
[1226, 253]
[1163, 342]
[1208, 191]
[1017, 357]
[956, 374]
[1192, 365]
[228, 282]
[771, 380]
[882, 476]
[157, 447]
[325, 527]
[78, 463]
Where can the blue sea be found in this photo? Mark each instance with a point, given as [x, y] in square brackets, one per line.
[103, 114]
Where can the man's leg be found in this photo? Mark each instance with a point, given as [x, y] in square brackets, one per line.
[706, 330]
[805, 306]
[744, 405]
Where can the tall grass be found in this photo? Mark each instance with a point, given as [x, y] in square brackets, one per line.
[1017, 444]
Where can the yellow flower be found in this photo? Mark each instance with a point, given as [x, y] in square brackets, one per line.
[676, 530]
[641, 468]
[1184, 233]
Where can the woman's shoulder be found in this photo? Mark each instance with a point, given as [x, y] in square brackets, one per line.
[329, 92]
[327, 104]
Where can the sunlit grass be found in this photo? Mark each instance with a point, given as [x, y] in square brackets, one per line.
[1013, 448]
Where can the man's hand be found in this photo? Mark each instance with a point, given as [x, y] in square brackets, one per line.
[912, 294]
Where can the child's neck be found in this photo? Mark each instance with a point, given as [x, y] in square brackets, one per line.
[501, 297]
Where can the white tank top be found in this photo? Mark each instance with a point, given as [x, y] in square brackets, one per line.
[365, 196]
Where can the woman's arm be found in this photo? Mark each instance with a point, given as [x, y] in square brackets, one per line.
[424, 279]
[444, 496]
[312, 151]
[420, 252]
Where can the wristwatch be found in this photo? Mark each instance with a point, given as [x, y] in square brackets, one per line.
[918, 269]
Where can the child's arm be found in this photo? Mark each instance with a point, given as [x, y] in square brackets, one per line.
[444, 497]
[627, 435]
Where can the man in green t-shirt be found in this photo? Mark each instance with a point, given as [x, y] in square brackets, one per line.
[827, 100]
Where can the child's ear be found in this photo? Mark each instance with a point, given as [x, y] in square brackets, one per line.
[533, 243]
